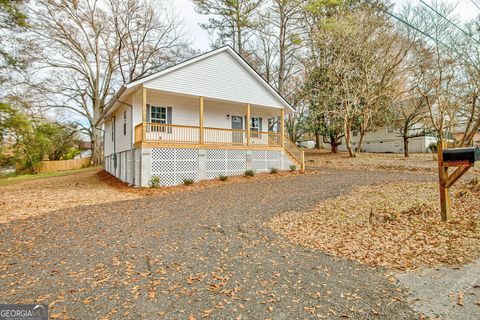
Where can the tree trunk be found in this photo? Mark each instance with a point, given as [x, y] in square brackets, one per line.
[347, 129]
[317, 140]
[97, 146]
[405, 147]
[360, 141]
[333, 144]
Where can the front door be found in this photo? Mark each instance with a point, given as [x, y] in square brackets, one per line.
[237, 124]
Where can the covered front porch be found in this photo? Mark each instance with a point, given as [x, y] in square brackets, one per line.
[170, 120]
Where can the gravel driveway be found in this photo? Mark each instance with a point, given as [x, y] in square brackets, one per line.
[195, 254]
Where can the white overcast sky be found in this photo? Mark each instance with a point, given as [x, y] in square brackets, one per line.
[465, 9]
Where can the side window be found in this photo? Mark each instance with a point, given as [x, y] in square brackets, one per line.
[124, 122]
[113, 129]
[390, 129]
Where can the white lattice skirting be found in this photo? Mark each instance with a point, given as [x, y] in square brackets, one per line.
[173, 166]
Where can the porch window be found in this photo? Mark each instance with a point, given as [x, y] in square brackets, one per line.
[255, 125]
[158, 114]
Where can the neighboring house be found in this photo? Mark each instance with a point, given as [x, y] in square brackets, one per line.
[85, 148]
[200, 119]
[388, 140]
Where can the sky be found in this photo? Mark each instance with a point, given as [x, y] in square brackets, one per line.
[465, 9]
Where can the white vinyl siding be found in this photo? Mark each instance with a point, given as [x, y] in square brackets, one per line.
[122, 141]
[219, 76]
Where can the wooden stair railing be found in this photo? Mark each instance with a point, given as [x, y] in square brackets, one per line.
[294, 152]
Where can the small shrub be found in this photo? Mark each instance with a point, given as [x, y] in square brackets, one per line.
[249, 173]
[222, 177]
[188, 181]
[154, 182]
[293, 167]
[273, 170]
[432, 147]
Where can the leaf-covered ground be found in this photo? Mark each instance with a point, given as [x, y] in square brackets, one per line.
[29, 196]
[373, 161]
[199, 254]
[394, 225]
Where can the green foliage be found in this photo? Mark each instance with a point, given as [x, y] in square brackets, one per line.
[293, 167]
[249, 173]
[29, 142]
[188, 181]
[11, 14]
[432, 147]
[71, 153]
[223, 177]
[273, 170]
[154, 182]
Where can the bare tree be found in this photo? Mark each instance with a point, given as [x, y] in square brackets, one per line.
[437, 75]
[409, 118]
[86, 49]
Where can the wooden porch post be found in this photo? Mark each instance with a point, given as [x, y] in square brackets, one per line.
[202, 133]
[144, 113]
[247, 124]
[443, 174]
[282, 126]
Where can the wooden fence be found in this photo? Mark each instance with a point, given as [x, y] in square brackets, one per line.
[62, 165]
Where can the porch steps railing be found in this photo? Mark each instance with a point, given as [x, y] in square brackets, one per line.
[296, 155]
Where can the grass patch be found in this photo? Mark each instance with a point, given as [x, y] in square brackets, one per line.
[273, 170]
[395, 225]
[14, 178]
[188, 181]
[249, 173]
[223, 177]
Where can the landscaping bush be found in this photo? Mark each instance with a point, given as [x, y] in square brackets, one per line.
[273, 170]
[188, 181]
[249, 173]
[432, 148]
[293, 167]
[222, 177]
[154, 182]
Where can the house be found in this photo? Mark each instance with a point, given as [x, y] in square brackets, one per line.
[387, 139]
[205, 117]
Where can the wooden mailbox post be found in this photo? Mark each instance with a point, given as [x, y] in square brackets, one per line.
[460, 158]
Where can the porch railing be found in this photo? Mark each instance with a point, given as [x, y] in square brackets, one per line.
[170, 133]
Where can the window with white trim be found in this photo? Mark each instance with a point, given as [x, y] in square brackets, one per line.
[158, 114]
[390, 129]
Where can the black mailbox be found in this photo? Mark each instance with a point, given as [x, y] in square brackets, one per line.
[461, 156]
